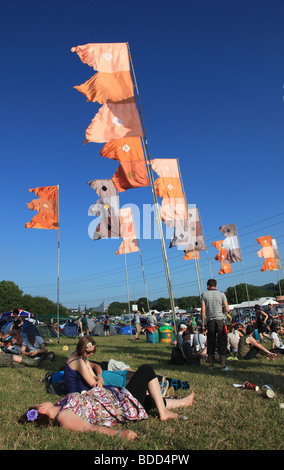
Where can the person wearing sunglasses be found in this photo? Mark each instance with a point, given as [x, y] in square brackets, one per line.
[80, 374]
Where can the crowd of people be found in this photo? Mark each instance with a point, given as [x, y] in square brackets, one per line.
[211, 336]
[97, 398]
[26, 348]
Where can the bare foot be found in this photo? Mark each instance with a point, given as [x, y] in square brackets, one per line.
[167, 414]
[188, 400]
[180, 403]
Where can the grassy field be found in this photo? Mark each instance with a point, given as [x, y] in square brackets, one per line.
[222, 417]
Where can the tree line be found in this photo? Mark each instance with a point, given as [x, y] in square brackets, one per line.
[11, 296]
[189, 303]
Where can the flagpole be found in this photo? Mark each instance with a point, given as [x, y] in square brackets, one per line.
[127, 287]
[244, 271]
[151, 179]
[279, 283]
[205, 244]
[197, 265]
[58, 255]
[235, 289]
[142, 267]
[143, 273]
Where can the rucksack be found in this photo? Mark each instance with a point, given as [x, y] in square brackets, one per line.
[177, 357]
[57, 387]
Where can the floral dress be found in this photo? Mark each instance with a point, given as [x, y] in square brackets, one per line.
[104, 407]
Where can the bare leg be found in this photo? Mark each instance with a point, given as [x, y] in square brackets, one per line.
[164, 412]
[181, 402]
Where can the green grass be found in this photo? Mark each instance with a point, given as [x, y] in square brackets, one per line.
[222, 417]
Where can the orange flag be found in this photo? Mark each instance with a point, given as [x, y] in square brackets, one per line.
[222, 257]
[168, 187]
[104, 57]
[127, 231]
[167, 167]
[225, 268]
[267, 252]
[46, 206]
[125, 149]
[191, 255]
[103, 87]
[113, 121]
[129, 245]
[130, 174]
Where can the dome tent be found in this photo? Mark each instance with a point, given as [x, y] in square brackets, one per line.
[98, 330]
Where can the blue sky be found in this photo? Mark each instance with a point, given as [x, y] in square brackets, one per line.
[210, 77]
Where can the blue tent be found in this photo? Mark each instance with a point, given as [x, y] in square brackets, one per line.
[27, 326]
[126, 330]
[69, 329]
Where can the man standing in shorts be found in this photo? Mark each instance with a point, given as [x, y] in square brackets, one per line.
[214, 307]
[137, 324]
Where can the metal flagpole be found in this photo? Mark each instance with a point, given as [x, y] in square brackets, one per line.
[244, 272]
[142, 267]
[279, 283]
[126, 275]
[197, 265]
[127, 289]
[159, 221]
[58, 252]
[143, 273]
[235, 290]
[211, 276]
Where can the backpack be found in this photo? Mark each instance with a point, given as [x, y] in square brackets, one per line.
[55, 387]
[177, 357]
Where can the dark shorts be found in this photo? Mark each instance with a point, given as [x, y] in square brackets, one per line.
[216, 337]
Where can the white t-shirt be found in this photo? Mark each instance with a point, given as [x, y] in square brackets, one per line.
[277, 340]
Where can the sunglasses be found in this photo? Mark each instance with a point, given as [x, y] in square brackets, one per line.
[90, 352]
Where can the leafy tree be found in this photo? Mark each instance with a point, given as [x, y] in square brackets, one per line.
[163, 304]
[117, 308]
[255, 292]
[142, 304]
[10, 296]
[41, 306]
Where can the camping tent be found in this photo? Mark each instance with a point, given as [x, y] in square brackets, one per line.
[126, 330]
[98, 330]
[263, 301]
[27, 326]
[46, 331]
[23, 313]
[69, 329]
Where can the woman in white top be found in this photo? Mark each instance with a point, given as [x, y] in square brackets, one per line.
[276, 342]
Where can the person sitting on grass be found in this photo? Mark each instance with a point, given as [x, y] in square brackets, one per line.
[7, 359]
[34, 346]
[80, 374]
[99, 409]
[249, 347]
[276, 342]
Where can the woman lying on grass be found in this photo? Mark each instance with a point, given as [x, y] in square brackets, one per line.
[98, 409]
